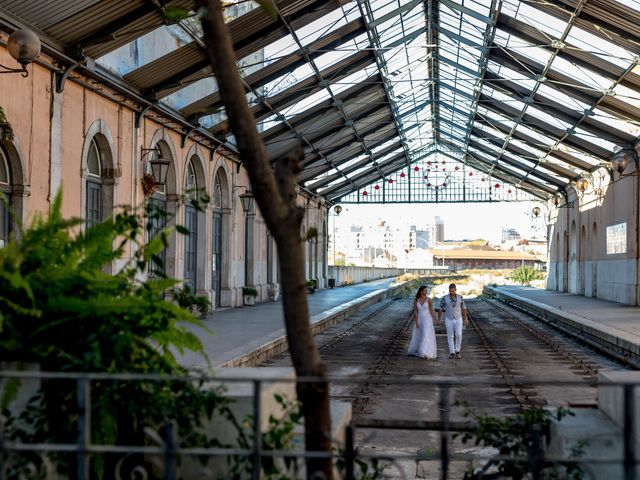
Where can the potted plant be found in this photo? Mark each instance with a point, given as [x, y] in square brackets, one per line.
[6, 132]
[311, 286]
[249, 295]
[148, 184]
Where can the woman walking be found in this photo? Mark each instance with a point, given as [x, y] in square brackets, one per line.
[423, 339]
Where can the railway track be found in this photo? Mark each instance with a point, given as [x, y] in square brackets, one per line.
[506, 353]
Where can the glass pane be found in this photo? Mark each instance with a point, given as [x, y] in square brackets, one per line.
[4, 169]
[93, 161]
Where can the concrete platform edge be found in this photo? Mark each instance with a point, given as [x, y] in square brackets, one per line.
[604, 335]
[276, 343]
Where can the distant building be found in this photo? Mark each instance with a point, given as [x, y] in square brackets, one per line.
[510, 234]
[467, 258]
[439, 229]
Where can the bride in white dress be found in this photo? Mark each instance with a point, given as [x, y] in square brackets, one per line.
[423, 339]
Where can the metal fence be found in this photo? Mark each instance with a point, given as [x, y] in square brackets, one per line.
[167, 451]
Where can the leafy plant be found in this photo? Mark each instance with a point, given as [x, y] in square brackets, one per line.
[249, 292]
[525, 274]
[311, 285]
[311, 234]
[520, 439]
[148, 184]
[279, 435]
[188, 300]
[61, 309]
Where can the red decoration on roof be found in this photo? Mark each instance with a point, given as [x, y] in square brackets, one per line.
[377, 187]
[391, 180]
[417, 168]
[364, 193]
[402, 175]
[471, 174]
[497, 185]
[509, 191]
[457, 168]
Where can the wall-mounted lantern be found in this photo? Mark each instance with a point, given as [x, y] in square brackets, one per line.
[582, 184]
[623, 158]
[159, 165]
[247, 201]
[24, 47]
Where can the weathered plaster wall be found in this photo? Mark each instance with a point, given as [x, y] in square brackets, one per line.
[52, 133]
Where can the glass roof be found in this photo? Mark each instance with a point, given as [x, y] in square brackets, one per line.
[532, 94]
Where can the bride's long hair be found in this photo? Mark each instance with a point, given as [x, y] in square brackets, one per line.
[419, 292]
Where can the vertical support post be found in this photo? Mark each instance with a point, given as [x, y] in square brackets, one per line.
[349, 454]
[444, 436]
[83, 395]
[257, 435]
[629, 427]
[169, 451]
[535, 454]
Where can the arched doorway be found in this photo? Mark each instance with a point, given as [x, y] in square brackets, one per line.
[161, 208]
[557, 263]
[565, 261]
[99, 174]
[196, 267]
[191, 224]
[582, 259]
[217, 252]
[5, 203]
[594, 261]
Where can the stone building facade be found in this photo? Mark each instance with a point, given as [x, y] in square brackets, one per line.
[92, 143]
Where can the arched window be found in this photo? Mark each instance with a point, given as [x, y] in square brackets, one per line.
[5, 189]
[191, 223]
[94, 211]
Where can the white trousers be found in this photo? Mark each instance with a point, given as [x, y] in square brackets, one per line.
[454, 329]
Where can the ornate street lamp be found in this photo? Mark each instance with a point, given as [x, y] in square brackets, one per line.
[582, 184]
[535, 211]
[623, 158]
[24, 47]
[247, 201]
[159, 168]
[337, 209]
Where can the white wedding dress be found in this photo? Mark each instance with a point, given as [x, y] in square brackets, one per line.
[423, 339]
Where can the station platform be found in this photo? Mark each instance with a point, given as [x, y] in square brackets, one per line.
[607, 325]
[248, 336]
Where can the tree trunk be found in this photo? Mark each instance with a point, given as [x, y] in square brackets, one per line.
[274, 193]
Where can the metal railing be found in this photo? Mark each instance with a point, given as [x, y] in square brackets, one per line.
[169, 451]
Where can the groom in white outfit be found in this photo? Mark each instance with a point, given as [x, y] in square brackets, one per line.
[454, 310]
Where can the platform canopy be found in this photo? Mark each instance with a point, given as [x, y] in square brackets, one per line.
[532, 94]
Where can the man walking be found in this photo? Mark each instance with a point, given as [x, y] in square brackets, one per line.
[454, 308]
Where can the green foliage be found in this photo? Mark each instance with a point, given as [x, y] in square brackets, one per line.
[188, 300]
[60, 308]
[249, 292]
[279, 435]
[270, 7]
[525, 274]
[364, 470]
[312, 285]
[312, 233]
[515, 438]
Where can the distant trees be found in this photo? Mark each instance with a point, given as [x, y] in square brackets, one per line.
[525, 275]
